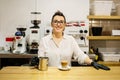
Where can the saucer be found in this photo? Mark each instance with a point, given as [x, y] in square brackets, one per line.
[64, 69]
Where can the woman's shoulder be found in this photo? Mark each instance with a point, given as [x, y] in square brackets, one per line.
[47, 37]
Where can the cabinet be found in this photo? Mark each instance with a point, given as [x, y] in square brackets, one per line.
[106, 40]
[14, 59]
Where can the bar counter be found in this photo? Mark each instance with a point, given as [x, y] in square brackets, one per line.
[53, 73]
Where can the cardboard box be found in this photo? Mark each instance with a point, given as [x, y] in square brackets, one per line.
[110, 56]
[102, 7]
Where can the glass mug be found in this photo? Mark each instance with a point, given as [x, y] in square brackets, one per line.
[64, 62]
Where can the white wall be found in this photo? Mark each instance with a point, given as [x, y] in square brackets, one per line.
[17, 12]
[12, 14]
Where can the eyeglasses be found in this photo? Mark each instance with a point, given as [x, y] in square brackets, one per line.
[60, 22]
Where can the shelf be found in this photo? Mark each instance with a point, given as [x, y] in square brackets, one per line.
[103, 37]
[103, 17]
[13, 55]
[108, 63]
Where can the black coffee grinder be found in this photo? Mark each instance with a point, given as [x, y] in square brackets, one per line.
[34, 33]
[36, 20]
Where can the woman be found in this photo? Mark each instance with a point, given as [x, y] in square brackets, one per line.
[58, 45]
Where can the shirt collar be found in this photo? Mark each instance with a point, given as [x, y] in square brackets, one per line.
[51, 37]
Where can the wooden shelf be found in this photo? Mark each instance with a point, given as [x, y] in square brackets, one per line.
[108, 63]
[103, 17]
[13, 55]
[103, 37]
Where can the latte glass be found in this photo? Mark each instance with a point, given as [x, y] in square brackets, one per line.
[64, 62]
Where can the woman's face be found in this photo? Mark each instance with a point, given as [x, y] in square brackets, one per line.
[58, 24]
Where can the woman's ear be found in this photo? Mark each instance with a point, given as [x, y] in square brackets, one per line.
[65, 24]
[51, 24]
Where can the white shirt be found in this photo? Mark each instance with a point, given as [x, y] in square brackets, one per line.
[67, 48]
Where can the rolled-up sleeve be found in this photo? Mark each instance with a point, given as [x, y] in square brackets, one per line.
[78, 54]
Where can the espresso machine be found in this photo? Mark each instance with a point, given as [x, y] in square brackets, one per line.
[20, 41]
[80, 34]
[34, 34]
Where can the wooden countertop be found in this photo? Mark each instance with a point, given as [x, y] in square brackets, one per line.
[53, 73]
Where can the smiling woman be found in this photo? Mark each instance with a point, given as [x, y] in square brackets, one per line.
[59, 45]
[55, 44]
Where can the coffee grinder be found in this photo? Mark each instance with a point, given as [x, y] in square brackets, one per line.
[20, 41]
[34, 33]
